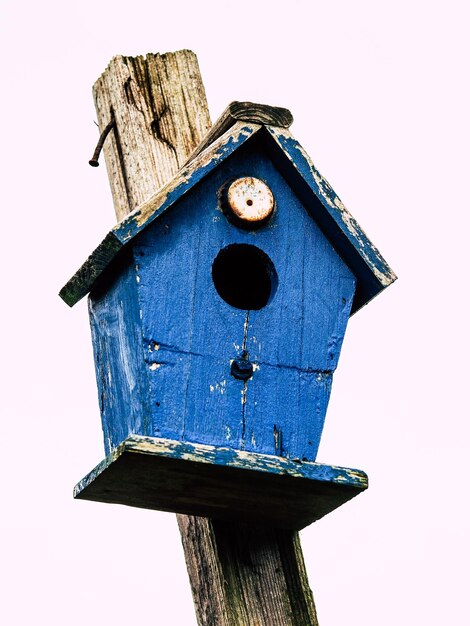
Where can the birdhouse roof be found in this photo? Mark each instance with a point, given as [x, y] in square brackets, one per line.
[240, 123]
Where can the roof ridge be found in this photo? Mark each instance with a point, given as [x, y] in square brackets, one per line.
[251, 112]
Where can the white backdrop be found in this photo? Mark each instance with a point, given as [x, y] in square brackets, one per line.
[380, 97]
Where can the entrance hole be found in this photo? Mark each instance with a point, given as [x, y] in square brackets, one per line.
[244, 276]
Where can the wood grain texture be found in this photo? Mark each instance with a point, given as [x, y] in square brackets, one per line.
[159, 122]
[136, 170]
[155, 473]
[121, 374]
[245, 575]
[245, 112]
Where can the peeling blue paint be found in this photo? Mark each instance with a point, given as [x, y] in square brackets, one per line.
[132, 225]
[165, 341]
[342, 230]
[218, 482]
[224, 456]
[188, 332]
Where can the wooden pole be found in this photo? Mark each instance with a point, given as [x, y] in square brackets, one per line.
[240, 575]
[160, 110]
[244, 575]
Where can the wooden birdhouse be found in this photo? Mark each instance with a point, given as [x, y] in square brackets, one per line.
[218, 311]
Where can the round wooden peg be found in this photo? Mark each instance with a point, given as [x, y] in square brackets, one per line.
[250, 200]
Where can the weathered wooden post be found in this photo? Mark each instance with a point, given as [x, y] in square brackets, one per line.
[218, 306]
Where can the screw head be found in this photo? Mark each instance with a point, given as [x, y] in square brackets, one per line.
[241, 369]
[250, 200]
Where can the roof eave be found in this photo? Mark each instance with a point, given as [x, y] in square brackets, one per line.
[191, 174]
[339, 226]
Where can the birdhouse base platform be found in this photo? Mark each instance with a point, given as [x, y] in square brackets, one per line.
[221, 483]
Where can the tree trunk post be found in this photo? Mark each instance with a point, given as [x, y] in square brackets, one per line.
[240, 575]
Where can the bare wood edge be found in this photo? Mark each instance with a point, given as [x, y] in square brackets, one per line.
[232, 458]
[204, 568]
[226, 484]
[381, 275]
[242, 575]
[246, 112]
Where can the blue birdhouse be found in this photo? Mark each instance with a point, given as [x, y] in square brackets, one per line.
[218, 310]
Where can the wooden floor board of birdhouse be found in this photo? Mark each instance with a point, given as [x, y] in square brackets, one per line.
[222, 483]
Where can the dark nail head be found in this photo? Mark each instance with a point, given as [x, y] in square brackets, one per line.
[241, 369]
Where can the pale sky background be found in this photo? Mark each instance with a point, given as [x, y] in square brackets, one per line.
[380, 96]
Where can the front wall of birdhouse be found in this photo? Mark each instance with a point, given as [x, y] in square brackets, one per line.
[190, 335]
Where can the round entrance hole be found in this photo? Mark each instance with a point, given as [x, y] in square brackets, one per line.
[244, 276]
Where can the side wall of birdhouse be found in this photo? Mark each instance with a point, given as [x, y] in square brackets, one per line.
[115, 322]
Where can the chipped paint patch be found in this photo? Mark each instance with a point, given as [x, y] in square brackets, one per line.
[204, 163]
[329, 198]
[295, 494]
[220, 387]
[205, 453]
[277, 432]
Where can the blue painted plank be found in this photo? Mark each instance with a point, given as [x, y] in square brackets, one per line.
[344, 232]
[285, 411]
[120, 372]
[192, 394]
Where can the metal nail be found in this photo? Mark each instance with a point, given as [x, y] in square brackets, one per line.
[96, 154]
